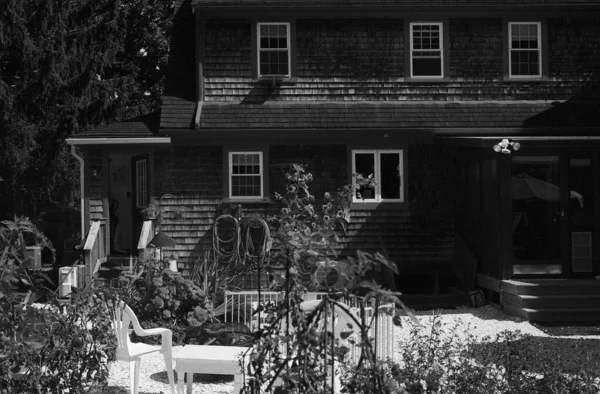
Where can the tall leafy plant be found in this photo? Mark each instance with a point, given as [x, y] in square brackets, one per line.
[291, 352]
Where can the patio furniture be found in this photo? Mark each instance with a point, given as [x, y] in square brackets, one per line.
[219, 360]
[132, 352]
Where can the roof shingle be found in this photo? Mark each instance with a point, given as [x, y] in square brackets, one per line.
[368, 115]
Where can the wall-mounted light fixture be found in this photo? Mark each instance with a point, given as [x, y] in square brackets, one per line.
[503, 145]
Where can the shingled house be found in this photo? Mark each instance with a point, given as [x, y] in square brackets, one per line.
[419, 93]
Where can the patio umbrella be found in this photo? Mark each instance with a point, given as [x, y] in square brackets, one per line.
[524, 187]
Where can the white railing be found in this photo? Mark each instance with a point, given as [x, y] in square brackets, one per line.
[146, 236]
[95, 249]
[241, 307]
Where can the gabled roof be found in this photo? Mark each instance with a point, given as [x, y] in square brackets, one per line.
[139, 127]
[179, 97]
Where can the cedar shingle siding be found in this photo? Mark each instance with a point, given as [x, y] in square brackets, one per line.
[194, 176]
[363, 60]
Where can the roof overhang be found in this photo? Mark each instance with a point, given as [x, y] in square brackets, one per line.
[120, 141]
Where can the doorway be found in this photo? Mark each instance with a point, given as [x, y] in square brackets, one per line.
[552, 209]
[121, 214]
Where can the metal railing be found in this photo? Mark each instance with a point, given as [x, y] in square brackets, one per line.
[241, 306]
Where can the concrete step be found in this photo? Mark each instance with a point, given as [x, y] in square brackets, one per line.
[553, 301]
[552, 287]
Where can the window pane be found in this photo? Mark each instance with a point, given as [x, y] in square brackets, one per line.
[365, 166]
[525, 62]
[390, 175]
[427, 67]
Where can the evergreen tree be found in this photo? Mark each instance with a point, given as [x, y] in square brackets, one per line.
[65, 66]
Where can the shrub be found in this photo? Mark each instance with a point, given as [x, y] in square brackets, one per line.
[163, 298]
[58, 348]
[439, 360]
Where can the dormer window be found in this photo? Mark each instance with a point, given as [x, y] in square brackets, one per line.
[426, 50]
[525, 49]
[274, 50]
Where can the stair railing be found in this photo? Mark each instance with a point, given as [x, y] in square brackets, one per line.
[95, 249]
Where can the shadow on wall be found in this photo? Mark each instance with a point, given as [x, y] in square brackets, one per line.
[583, 110]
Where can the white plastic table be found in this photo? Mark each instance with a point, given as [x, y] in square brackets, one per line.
[218, 360]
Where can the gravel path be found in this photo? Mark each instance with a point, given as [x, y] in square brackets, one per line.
[481, 323]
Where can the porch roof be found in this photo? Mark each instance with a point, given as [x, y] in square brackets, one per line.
[372, 115]
[140, 130]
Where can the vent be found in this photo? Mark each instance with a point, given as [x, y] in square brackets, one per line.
[331, 275]
[581, 251]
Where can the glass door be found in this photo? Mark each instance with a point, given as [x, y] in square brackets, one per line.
[538, 215]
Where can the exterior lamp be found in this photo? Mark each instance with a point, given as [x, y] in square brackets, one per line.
[159, 241]
[502, 146]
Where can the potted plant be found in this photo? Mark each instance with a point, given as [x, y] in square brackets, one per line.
[151, 212]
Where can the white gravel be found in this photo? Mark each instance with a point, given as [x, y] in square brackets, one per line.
[481, 322]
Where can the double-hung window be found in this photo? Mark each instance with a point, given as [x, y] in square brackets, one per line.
[385, 168]
[426, 50]
[274, 53]
[245, 175]
[524, 49]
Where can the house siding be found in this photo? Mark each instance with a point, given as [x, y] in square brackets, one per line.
[574, 48]
[363, 60]
[193, 175]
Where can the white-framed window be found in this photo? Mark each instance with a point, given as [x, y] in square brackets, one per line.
[525, 49]
[274, 54]
[426, 50]
[245, 175]
[386, 168]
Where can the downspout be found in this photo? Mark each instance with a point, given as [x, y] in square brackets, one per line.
[82, 202]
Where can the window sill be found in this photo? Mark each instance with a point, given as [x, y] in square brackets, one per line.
[371, 206]
[426, 80]
[229, 200]
[275, 81]
[525, 79]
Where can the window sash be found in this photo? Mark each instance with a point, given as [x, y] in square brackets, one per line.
[377, 176]
[271, 53]
[429, 53]
[528, 52]
[141, 196]
[245, 171]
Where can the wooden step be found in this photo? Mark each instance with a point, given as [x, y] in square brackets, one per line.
[553, 301]
[552, 287]
[566, 315]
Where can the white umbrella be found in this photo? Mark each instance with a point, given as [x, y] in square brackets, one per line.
[524, 186]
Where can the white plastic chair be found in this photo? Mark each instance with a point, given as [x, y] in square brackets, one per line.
[131, 352]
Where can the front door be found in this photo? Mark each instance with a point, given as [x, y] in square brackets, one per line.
[581, 213]
[539, 216]
[139, 189]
